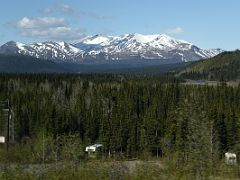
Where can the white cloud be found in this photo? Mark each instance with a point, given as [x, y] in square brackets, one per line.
[56, 33]
[176, 30]
[65, 9]
[50, 28]
[94, 15]
[47, 10]
[41, 22]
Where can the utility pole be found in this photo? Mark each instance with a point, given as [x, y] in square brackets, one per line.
[11, 127]
[8, 124]
[7, 128]
[156, 134]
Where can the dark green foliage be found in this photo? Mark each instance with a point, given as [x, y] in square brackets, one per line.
[27, 64]
[225, 66]
[57, 115]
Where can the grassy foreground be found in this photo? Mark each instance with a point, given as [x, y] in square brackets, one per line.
[110, 169]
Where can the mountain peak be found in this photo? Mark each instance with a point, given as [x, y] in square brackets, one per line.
[15, 43]
[96, 39]
[123, 47]
[142, 38]
[11, 42]
[165, 36]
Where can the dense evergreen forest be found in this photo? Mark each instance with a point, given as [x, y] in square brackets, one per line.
[56, 116]
[225, 66]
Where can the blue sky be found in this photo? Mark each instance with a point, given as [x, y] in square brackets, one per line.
[206, 23]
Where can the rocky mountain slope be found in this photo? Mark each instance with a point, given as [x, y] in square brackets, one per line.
[113, 48]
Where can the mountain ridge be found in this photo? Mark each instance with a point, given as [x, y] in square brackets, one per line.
[225, 66]
[113, 48]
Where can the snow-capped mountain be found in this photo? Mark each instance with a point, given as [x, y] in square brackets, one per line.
[109, 48]
[137, 46]
[45, 50]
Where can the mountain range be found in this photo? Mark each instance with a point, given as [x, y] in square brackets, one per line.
[100, 48]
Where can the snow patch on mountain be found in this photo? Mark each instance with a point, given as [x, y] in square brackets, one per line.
[104, 48]
[97, 39]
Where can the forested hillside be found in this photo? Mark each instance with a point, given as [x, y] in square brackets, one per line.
[225, 66]
[27, 64]
[131, 116]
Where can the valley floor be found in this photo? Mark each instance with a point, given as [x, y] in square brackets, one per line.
[111, 169]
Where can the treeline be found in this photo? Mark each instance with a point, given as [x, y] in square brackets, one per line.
[225, 66]
[130, 116]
